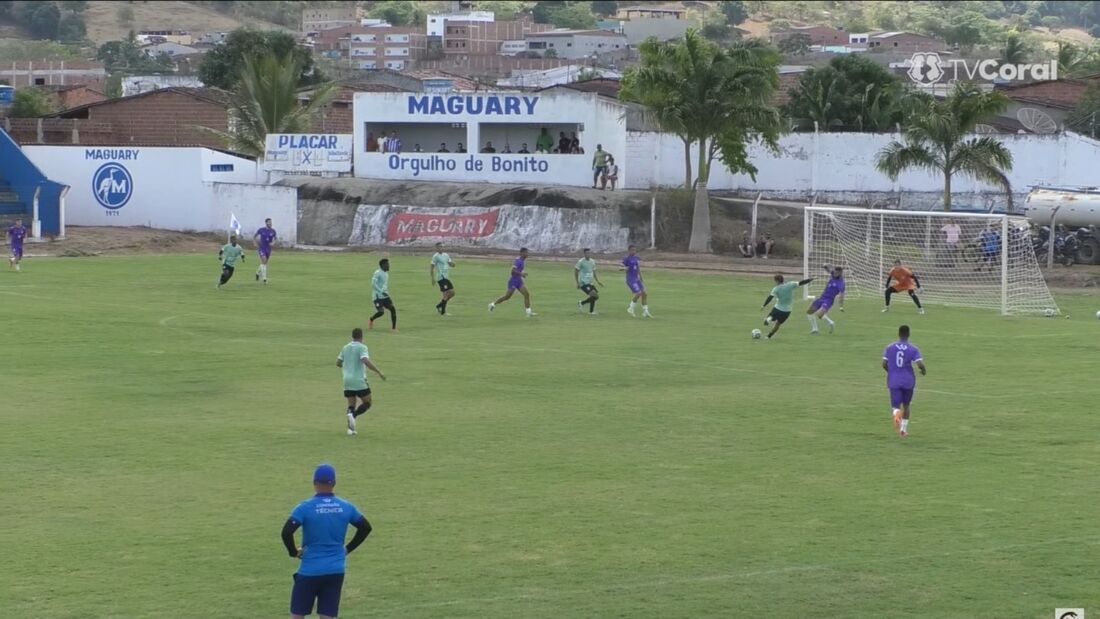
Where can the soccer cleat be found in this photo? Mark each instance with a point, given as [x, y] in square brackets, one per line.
[897, 418]
[903, 433]
[258, 276]
[351, 424]
[492, 306]
[813, 331]
[630, 310]
[647, 315]
[832, 327]
[593, 313]
[920, 311]
[530, 314]
[885, 309]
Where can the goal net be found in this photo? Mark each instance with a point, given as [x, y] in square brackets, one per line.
[965, 259]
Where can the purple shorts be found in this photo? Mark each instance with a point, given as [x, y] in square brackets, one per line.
[900, 396]
[264, 252]
[635, 286]
[821, 303]
[16, 251]
[515, 283]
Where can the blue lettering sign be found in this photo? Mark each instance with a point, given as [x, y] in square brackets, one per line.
[473, 105]
[111, 154]
[307, 141]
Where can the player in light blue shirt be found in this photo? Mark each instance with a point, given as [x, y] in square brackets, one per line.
[380, 294]
[440, 271]
[324, 519]
[783, 293]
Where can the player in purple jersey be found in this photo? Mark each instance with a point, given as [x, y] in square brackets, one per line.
[16, 234]
[515, 282]
[897, 361]
[632, 264]
[820, 307]
[264, 239]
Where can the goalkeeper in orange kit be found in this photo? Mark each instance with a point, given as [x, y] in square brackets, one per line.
[905, 280]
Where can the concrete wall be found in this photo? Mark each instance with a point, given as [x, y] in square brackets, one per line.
[841, 166]
[166, 188]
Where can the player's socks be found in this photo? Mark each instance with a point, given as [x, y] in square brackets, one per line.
[904, 427]
[630, 310]
[813, 323]
[444, 304]
[829, 321]
[351, 422]
[580, 306]
[592, 305]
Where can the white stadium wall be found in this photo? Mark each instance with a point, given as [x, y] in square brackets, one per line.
[844, 163]
[473, 119]
[188, 189]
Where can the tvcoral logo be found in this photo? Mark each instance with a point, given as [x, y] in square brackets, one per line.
[928, 68]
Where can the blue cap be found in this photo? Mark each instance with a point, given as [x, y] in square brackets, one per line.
[324, 474]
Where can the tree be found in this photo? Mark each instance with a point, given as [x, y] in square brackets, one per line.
[939, 138]
[734, 10]
[852, 92]
[719, 100]
[399, 12]
[220, 67]
[605, 7]
[1085, 117]
[573, 15]
[503, 10]
[550, 53]
[797, 44]
[1016, 50]
[265, 100]
[1069, 56]
[41, 18]
[72, 28]
[126, 57]
[31, 103]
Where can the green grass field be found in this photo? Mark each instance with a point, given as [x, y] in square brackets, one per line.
[155, 433]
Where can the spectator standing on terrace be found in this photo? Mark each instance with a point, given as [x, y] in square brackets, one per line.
[599, 164]
[545, 142]
[443, 148]
[381, 144]
[564, 143]
[575, 144]
[461, 148]
[393, 143]
[612, 174]
[488, 148]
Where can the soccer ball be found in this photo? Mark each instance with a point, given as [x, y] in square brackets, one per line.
[1048, 312]
[1098, 315]
[757, 334]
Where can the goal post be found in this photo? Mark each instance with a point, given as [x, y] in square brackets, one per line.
[963, 259]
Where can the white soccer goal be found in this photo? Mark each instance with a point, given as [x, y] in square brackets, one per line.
[978, 271]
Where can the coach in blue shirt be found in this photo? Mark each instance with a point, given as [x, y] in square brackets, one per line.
[324, 520]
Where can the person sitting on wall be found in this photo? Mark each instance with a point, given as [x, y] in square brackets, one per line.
[545, 142]
[764, 246]
[443, 148]
[461, 148]
[488, 148]
[745, 246]
[523, 149]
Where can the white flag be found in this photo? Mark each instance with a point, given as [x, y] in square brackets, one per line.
[234, 225]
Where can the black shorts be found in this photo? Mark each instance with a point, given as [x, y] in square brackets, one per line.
[383, 303]
[353, 393]
[324, 589]
[445, 285]
[588, 289]
[779, 316]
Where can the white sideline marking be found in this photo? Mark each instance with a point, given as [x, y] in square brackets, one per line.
[689, 580]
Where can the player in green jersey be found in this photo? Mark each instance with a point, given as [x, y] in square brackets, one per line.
[783, 293]
[584, 274]
[380, 294]
[229, 254]
[439, 272]
[354, 360]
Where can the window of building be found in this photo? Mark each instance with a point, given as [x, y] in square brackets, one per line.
[39, 81]
[221, 167]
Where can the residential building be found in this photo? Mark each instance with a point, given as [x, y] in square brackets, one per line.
[670, 11]
[437, 23]
[318, 19]
[573, 44]
[138, 84]
[1053, 98]
[180, 37]
[818, 35]
[903, 41]
[74, 95]
[382, 47]
[485, 38]
[53, 72]
[169, 49]
[491, 68]
[557, 76]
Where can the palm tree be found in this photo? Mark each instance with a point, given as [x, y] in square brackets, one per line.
[266, 101]
[717, 99]
[939, 138]
[1016, 49]
[1069, 55]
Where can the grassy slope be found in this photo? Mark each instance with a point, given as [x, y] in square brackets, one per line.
[155, 433]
